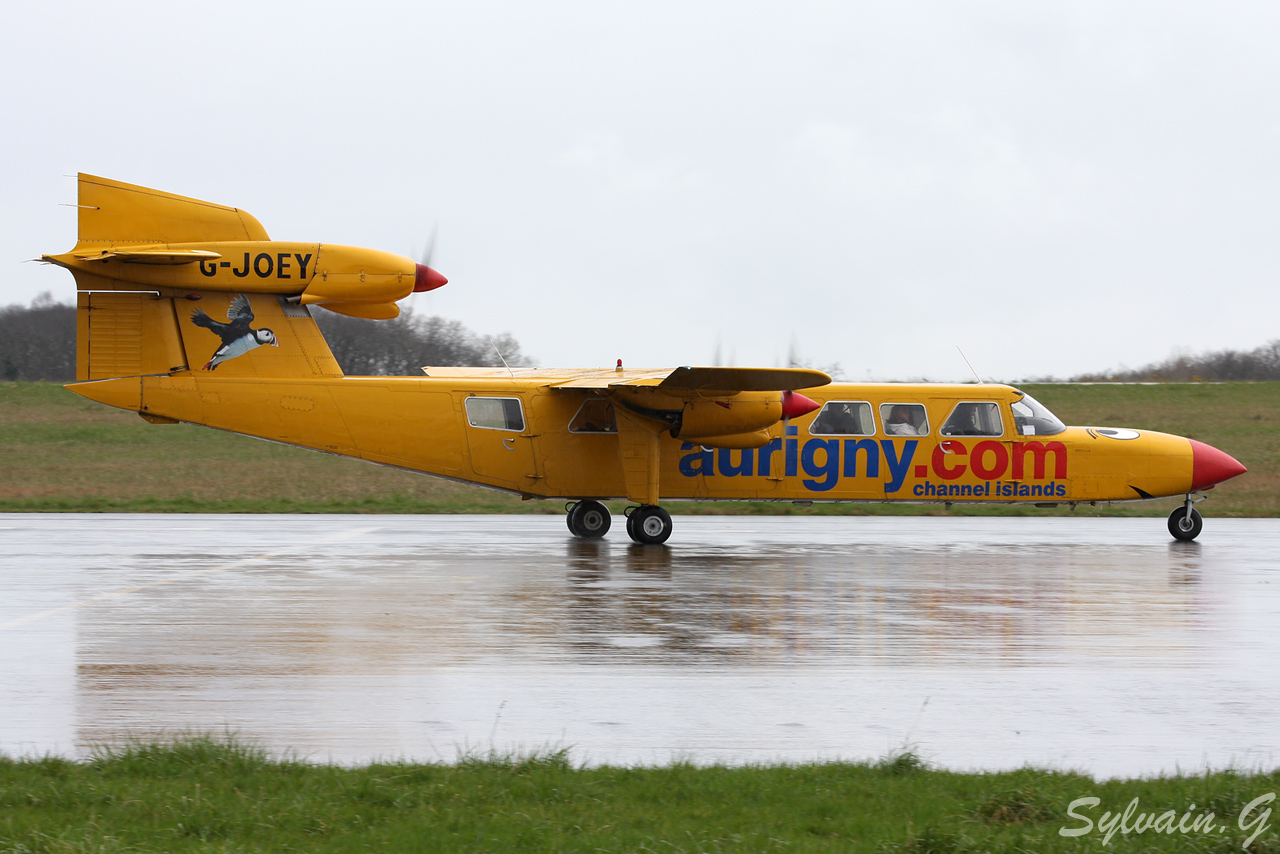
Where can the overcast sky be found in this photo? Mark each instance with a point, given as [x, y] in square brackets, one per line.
[1055, 188]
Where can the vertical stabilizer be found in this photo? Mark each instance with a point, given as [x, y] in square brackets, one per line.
[113, 213]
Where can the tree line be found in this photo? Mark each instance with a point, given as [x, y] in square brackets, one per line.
[1260, 363]
[38, 342]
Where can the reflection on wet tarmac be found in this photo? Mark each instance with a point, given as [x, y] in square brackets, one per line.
[1083, 643]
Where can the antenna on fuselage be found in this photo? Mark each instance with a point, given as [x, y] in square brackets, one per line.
[970, 364]
[500, 356]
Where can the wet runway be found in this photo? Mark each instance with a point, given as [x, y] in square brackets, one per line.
[1095, 644]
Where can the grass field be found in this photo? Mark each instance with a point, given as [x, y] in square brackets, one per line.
[203, 795]
[60, 452]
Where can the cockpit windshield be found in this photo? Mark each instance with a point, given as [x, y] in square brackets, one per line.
[1032, 419]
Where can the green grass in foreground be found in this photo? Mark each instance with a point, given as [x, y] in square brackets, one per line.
[60, 452]
[201, 794]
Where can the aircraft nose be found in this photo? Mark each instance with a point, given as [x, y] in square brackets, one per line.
[427, 279]
[1210, 466]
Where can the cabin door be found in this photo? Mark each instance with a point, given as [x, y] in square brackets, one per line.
[500, 443]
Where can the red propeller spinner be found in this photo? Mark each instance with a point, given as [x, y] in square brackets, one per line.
[795, 404]
[427, 279]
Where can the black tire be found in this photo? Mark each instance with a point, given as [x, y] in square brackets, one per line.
[649, 525]
[1183, 529]
[589, 520]
[568, 516]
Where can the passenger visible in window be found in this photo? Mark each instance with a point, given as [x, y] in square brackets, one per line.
[900, 423]
[840, 418]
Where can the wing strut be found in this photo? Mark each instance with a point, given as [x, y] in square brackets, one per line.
[638, 443]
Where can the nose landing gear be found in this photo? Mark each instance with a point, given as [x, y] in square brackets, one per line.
[1185, 522]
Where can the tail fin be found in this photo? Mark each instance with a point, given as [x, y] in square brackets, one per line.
[140, 268]
[113, 213]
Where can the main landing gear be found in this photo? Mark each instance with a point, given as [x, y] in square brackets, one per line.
[647, 524]
[1185, 522]
[589, 520]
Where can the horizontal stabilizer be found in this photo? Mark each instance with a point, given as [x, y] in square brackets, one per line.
[147, 256]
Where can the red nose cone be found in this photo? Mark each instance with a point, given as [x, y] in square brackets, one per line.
[794, 405]
[1210, 466]
[427, 279]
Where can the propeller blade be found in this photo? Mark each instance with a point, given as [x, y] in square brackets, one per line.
[430, 251]
[425, 278]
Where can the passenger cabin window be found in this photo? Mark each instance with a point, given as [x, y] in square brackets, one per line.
[973, 418]
[495, 413]
[844, 418]
[1031, 418]
[904, 419]
[594, 416]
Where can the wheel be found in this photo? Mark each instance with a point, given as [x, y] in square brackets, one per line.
[589, 520]
[568, 516]
[1183, 528]
[649, 525]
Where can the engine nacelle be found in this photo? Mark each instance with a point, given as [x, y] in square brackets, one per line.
[736, 441]
[348, 274]
[746, 412]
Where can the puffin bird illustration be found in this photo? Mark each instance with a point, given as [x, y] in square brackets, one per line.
[237, 337]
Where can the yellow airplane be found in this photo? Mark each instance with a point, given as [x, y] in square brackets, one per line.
[188, 312]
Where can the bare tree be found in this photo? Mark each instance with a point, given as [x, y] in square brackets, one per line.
[401, 347]
[38, 342]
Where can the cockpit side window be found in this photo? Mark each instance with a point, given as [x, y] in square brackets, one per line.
[904, 419]
[844, 418]
[974, 418]
[594, 416]
[1031, 418]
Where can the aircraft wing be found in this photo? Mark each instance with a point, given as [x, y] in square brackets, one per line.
[680, 382]
[683, 381]
[733, 380]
